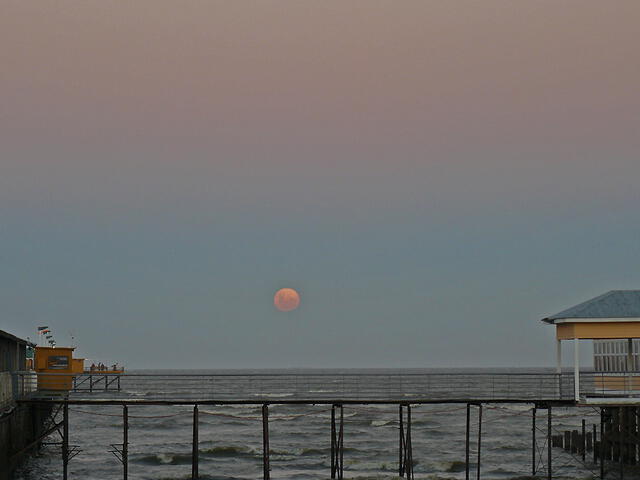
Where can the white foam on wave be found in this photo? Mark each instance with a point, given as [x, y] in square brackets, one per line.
[273, 395]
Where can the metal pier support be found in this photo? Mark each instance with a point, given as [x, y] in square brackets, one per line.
[533, 441]
[601, 453]
[266, 468]
[121, 450]
[549, 470]
[479, 439]
[194, 445]
[65, 441]
[467, 441]
[467, 435]
[125, 442]
[337, 444]
[405, 466]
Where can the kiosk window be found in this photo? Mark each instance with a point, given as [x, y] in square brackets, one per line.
[58, 362]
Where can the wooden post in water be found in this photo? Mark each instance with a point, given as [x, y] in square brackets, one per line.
[595, 449]
[65, 441]
[125, 442]
[266, 468]
[194, 445]
[621, 441]
[468, 431]
[584, 440]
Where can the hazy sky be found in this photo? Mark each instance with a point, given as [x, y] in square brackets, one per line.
[433, 177]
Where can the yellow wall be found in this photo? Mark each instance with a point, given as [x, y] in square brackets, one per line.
[78, 365]
[604, 330]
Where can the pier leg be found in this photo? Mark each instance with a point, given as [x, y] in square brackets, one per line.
[467, 442]
[337, 443]
[549, 469]
[333, 441]
[479, 439]
[401, 444]
[65, 441]
[408, 448]
[125, 442]
[341, 444]
[602, 444]
[194, 445]
[406, 454]
[533, 442]
[266, 468]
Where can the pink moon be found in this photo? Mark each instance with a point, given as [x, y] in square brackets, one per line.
[286, 299]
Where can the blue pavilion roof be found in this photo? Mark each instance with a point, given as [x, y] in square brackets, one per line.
[613, 304]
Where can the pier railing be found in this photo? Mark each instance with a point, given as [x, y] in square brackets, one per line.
[277, 388]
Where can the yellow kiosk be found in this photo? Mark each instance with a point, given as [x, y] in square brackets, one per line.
[55, 360]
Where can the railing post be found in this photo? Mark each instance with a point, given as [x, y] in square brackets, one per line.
[194, 445]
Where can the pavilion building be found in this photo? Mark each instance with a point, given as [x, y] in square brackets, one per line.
[612, 322]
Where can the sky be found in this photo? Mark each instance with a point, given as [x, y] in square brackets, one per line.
[433, 177]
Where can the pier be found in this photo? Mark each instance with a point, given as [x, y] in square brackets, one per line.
[612, 442]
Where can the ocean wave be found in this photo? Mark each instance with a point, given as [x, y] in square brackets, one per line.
[273, 395]
[163, 459]
[380, 423]
[229, 451]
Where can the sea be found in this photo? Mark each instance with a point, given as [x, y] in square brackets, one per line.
[230, 438]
